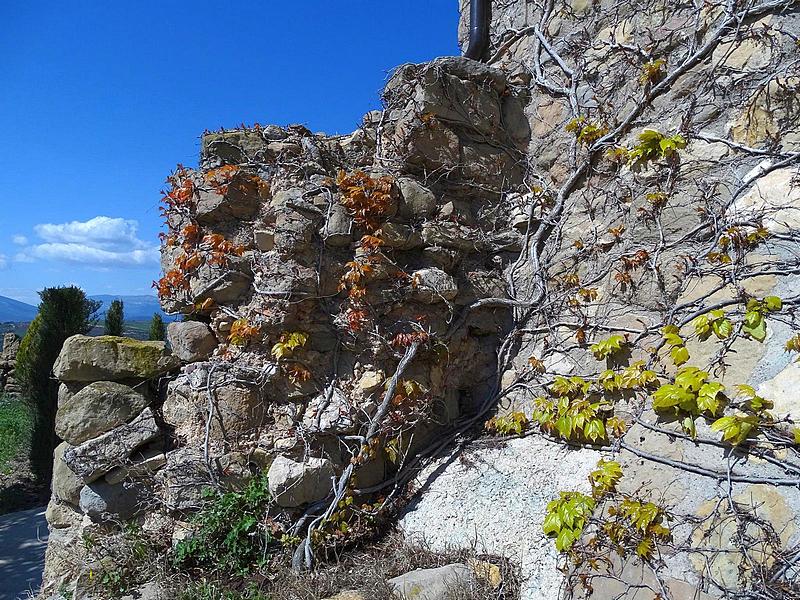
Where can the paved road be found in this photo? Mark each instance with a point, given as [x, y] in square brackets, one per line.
[23, 539]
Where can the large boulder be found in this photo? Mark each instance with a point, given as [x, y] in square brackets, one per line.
[432, 584]
[100, 455]
[294, 483]
[112, 358]
[191, 341]
[99, 407]
[66, 485]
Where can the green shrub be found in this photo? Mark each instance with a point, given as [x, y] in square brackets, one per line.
[230, 532]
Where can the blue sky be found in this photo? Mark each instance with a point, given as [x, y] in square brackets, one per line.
[100, 100]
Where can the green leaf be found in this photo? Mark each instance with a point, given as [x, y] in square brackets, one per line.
[773, 303]
[669, 396]
[679, 355]
[565, 539]
[708, 397]
[688, 426]
[552, 523]
[607, 347]
[722, 328]
[735, 428]
[691, 378]
[757, 331]
[796, 432]
[595, 430]
[702, 327]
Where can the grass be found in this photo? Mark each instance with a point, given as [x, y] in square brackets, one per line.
[16, 422]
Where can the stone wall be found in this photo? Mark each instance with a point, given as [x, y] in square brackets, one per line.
[8, 362]
[357, 303]
[113, 443]
[344, 300]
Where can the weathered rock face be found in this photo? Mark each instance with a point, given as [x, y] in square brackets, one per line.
[111, 358]
[66, 484]
[102, 501]
[100, 455]
[99, 407]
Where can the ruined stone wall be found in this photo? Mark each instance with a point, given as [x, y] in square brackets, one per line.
[344, 300]
[502, 240]
[8, 362]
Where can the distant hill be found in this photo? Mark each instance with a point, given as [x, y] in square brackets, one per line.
[16, 311]
[137, 308]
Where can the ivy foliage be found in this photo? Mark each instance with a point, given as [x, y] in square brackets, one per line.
[677, 346]
[288, 343]
[626, 524]
[586, 131]
[510, 424]
[566, 517]
[755, 323]
[608, 347]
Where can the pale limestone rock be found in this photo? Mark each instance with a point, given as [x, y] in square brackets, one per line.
[99, 407]
[184, 478]
[84, 358]
[66, 485]
[101, 501]
[432, 584]
[293, 483]
[417, 201]
[776, 195]
[784, 391]
[371, 380]
[338, 228]
[142, 465]
[433, 285]
[470, 503]
[191, 341]
[100, 455]
[331, 413]
[61, 516]
[400, 237]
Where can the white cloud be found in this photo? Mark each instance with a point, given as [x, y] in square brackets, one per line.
[20, 240]
[99, 242]
[3, 261]
[100, 232]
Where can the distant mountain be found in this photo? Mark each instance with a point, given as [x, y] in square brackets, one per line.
[136, 308]
[16, 311]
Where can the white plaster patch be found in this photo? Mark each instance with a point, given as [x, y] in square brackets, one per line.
[495, 499]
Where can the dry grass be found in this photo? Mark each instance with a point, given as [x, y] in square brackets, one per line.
[366, 571]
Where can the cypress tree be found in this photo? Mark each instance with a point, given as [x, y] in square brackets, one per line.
[115, 318]
[157, 330]
[63, 311]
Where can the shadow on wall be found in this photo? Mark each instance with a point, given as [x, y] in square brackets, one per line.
[23, 540]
